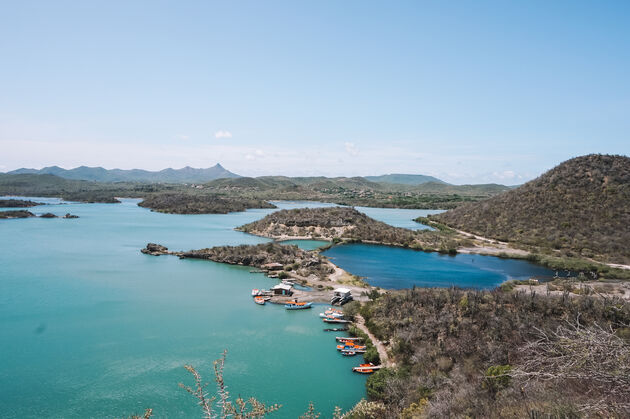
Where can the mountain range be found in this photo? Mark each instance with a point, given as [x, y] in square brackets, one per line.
[192, 175]
[99, 174]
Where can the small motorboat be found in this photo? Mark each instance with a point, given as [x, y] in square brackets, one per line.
[334, 320]
[259, 300]
[256, 292]
[297, 306]
[364, 368]
[342, 339]
[348, 353]
[351, 347]
[327, 314]
[337, 329]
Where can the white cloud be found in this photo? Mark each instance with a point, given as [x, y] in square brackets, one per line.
[250, 157]
[181, 137]
[223, 134]
[351, 149]
[259, 153]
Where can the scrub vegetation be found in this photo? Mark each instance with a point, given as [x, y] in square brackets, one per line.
[343, 191]
[343, 224]
[501, 354]
[580, 208]
[185, 203]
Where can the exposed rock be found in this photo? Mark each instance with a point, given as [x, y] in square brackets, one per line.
[48, 215]
[16, 214]
[154, 249]
[18, 203]
[68, 215]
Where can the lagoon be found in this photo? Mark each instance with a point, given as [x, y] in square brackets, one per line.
[395, 267]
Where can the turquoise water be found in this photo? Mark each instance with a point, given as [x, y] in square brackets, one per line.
[396, 268]
[399, 217]
[306, 244]
[93, 328]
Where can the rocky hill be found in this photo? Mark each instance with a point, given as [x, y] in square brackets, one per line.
[581, 207]
[347, 224]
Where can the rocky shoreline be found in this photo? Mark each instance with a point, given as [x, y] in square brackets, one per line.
[27, 214]
[284, 262]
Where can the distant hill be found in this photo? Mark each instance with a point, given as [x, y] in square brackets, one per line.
[99, 174]
[403, 179]
[581, 206]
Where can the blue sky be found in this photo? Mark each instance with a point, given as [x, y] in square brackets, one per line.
[469, 91]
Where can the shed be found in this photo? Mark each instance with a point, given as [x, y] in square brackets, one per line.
[282, 289]
[342, 292]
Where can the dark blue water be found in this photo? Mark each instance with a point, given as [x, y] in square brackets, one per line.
[396, 268]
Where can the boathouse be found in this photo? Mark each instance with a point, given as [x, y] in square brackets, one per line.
[341, 296]
[282, 289]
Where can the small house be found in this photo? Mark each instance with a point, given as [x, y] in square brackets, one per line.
[273, 266]
[282, 289]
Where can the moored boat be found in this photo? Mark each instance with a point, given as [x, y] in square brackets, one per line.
[343, 339]
[334, 320]
[298, 306]
[348, 353]
[337, 329]
[335, 315]
[259, 300]
[365, 368]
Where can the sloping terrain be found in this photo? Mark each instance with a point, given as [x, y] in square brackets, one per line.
[581, 207]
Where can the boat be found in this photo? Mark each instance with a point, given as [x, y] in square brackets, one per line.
[342, 339]
[337, 329]
[256, 292]
[334, 320]
[298, 306]
[259, 300]
[351, 347]
[365, 368]
[348, 353]
[331, 314]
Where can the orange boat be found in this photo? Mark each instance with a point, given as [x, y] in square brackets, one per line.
[259, 300]
[364, 368]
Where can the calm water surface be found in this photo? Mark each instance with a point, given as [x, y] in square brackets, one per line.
[93, 328]
[396, 268]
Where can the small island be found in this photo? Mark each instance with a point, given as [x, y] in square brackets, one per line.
[28, 214]
[18, 203]
[182, 203]
[16, 214]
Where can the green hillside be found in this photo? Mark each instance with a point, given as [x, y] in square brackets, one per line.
[581, 207]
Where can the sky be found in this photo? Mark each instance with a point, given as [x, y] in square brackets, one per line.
[468, 91]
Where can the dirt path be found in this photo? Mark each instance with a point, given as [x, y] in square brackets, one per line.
[380, 346]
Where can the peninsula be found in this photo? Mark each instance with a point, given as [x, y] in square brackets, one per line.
[344, 224]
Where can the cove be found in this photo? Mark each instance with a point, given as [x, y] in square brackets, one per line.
[397, 268]
[93, 328]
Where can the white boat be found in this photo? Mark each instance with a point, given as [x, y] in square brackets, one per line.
[335, 315]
